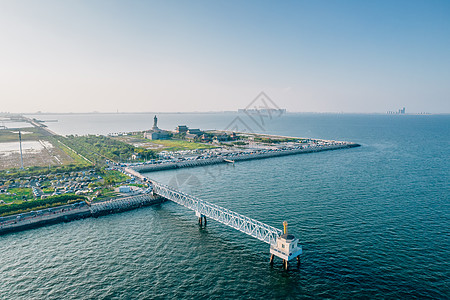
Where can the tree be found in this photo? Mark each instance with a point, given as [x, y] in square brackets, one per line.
[108, 182]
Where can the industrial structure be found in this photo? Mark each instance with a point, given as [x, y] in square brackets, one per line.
[286, 248]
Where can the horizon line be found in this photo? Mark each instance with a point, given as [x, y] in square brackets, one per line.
[212, 112]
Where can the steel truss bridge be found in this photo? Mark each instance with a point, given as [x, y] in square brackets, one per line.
[254, 228]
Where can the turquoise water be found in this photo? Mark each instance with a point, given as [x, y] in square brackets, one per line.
[373, 221]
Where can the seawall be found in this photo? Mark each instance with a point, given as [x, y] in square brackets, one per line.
[44, 217]
[70, 212]
[124, 204]
[241, 157]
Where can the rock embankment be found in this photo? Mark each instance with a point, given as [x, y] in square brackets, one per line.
[75, 211]
[237, 157]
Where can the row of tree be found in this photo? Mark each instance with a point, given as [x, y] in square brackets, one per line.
[97, 148]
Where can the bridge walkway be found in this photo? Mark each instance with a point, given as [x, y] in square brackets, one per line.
[249, 226]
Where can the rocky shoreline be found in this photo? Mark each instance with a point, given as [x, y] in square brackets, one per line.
[75, 211]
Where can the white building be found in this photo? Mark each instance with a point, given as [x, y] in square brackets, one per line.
[124, 189]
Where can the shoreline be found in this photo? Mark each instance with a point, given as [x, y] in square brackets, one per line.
[241, 157]
[77, 211]
[82, 210]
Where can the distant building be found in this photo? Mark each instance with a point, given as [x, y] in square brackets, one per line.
[191, 136]
[155, 133]
[190, 133]
[222, 137]
[160, 135]
[195, 131]
[401, 111]
[181, 129]
[205, 138]
[124, 189]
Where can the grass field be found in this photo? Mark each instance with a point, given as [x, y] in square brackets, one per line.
[19, 193]
[106, 194]
[160, 145]
[72, 154]
[48, 190]
[176, 145]
[115, 176]
[28, 134]
[21, 207]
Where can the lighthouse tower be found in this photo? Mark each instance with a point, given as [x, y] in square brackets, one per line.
[286, 248]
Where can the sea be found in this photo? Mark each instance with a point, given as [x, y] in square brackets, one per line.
[374, 221]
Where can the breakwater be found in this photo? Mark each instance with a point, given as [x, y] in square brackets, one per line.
[238, 157]
[124, 204]
[75, 211]
[64, 213]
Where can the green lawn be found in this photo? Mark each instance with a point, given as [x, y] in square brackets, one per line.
[48, 190]
[136, 184]
[28, 134]
[20, 192]
[106, 194]
[21, 207]
[176, 145]
[76, 157]
[115, 176]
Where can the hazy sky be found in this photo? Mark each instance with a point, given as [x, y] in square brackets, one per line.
[325, 56]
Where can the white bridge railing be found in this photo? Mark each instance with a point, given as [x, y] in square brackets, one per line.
[256, 229]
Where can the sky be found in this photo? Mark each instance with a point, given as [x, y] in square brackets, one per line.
[169, 56]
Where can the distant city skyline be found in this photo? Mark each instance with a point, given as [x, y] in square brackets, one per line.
[187, 56]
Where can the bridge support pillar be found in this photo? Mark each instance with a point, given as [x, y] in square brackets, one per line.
[201, 219]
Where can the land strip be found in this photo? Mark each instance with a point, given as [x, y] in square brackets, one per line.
[236, 157]
[78, 210]
[93, 175]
